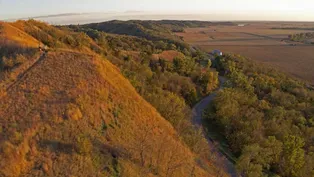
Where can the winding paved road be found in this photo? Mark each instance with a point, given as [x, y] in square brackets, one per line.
[197, 120]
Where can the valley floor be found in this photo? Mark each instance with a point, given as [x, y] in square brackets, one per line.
[261, 42]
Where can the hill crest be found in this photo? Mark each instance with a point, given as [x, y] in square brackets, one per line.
[91, 103]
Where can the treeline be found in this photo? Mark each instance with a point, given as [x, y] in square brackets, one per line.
[128, 43]
[302, 37]
[267, 118]
[150, 30]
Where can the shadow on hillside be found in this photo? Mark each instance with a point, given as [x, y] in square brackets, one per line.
[69, 148]
[115, 151]
[56, 146]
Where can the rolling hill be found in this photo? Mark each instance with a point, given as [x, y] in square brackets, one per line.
[70, 112]
[150, 30]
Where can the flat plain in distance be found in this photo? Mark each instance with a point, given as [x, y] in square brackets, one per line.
[265, 42]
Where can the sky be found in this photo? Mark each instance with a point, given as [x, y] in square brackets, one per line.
[301, 10]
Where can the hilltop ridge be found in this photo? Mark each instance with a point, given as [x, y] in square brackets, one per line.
[10, 32]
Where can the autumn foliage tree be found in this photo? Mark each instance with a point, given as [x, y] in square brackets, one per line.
[265, 117]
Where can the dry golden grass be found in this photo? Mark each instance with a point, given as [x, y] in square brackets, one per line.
[12, 33]
[54, 35]
[70, 99]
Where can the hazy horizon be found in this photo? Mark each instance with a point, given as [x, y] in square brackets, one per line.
[84, 18]
[223, 10]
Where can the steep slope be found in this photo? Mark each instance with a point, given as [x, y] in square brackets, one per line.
[75, 114]
[54, 37]
[17, 48]
[10, 32]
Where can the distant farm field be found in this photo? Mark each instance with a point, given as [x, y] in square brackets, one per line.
[295, 60]
[260, 42]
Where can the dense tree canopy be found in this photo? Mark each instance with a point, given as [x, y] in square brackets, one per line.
[266, 117]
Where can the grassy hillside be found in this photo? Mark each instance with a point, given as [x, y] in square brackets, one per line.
[53, 37]
[77, 109]
[69, 111]
[10, 32]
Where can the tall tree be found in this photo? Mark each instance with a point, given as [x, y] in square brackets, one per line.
[293, 156]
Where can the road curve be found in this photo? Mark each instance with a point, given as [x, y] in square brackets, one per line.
[197, 121]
